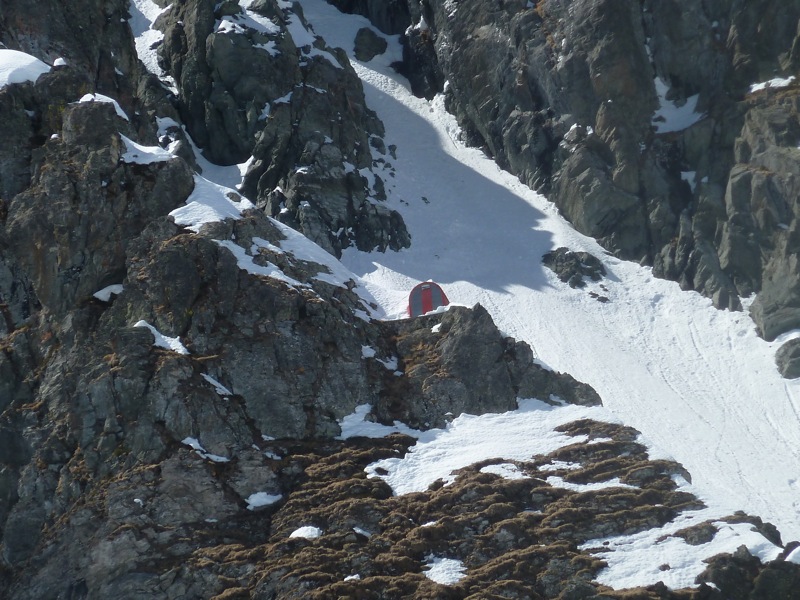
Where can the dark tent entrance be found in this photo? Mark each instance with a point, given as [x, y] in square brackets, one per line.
[425, 297]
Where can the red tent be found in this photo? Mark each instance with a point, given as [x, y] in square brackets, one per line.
[426, 297]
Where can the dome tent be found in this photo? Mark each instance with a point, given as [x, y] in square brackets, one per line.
[425, 297]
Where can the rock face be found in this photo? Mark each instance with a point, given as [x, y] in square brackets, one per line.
[465, 366]
[92, 36]
[256, 85]
[101, 423]
[80, 219]
[638, 121]
[172, 394]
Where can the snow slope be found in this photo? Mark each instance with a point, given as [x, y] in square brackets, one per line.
[698, 383]
[19, 67]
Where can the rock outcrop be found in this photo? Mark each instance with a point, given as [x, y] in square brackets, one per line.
[256, 85]
[464, 366]
[572, 267]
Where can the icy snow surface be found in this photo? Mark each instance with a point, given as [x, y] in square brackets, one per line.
[252, 20]
[218, 387]
[446, 571]
[513, 435]
[671, 116]
[355, 425]
[638, 559]
[699, 383]
[245, 261]
[18, 67]
[778, 82]
[308, 532]
[162, 341]
[143, 15]
[101, 98]
[505, 470]
[261, 499]
[143, 155]
[105, 294]
[208, 203]
[198, 447]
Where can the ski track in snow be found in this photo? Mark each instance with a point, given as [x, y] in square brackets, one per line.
[697, 382]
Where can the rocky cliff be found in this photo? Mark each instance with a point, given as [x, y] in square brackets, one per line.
[178, 364]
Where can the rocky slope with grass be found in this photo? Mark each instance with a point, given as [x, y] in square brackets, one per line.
[174, 386]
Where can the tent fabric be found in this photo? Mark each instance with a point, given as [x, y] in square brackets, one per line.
[425, 297]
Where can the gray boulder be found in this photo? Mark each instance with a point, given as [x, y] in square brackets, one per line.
[788, 359]
[573, 267]
[368, 45]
